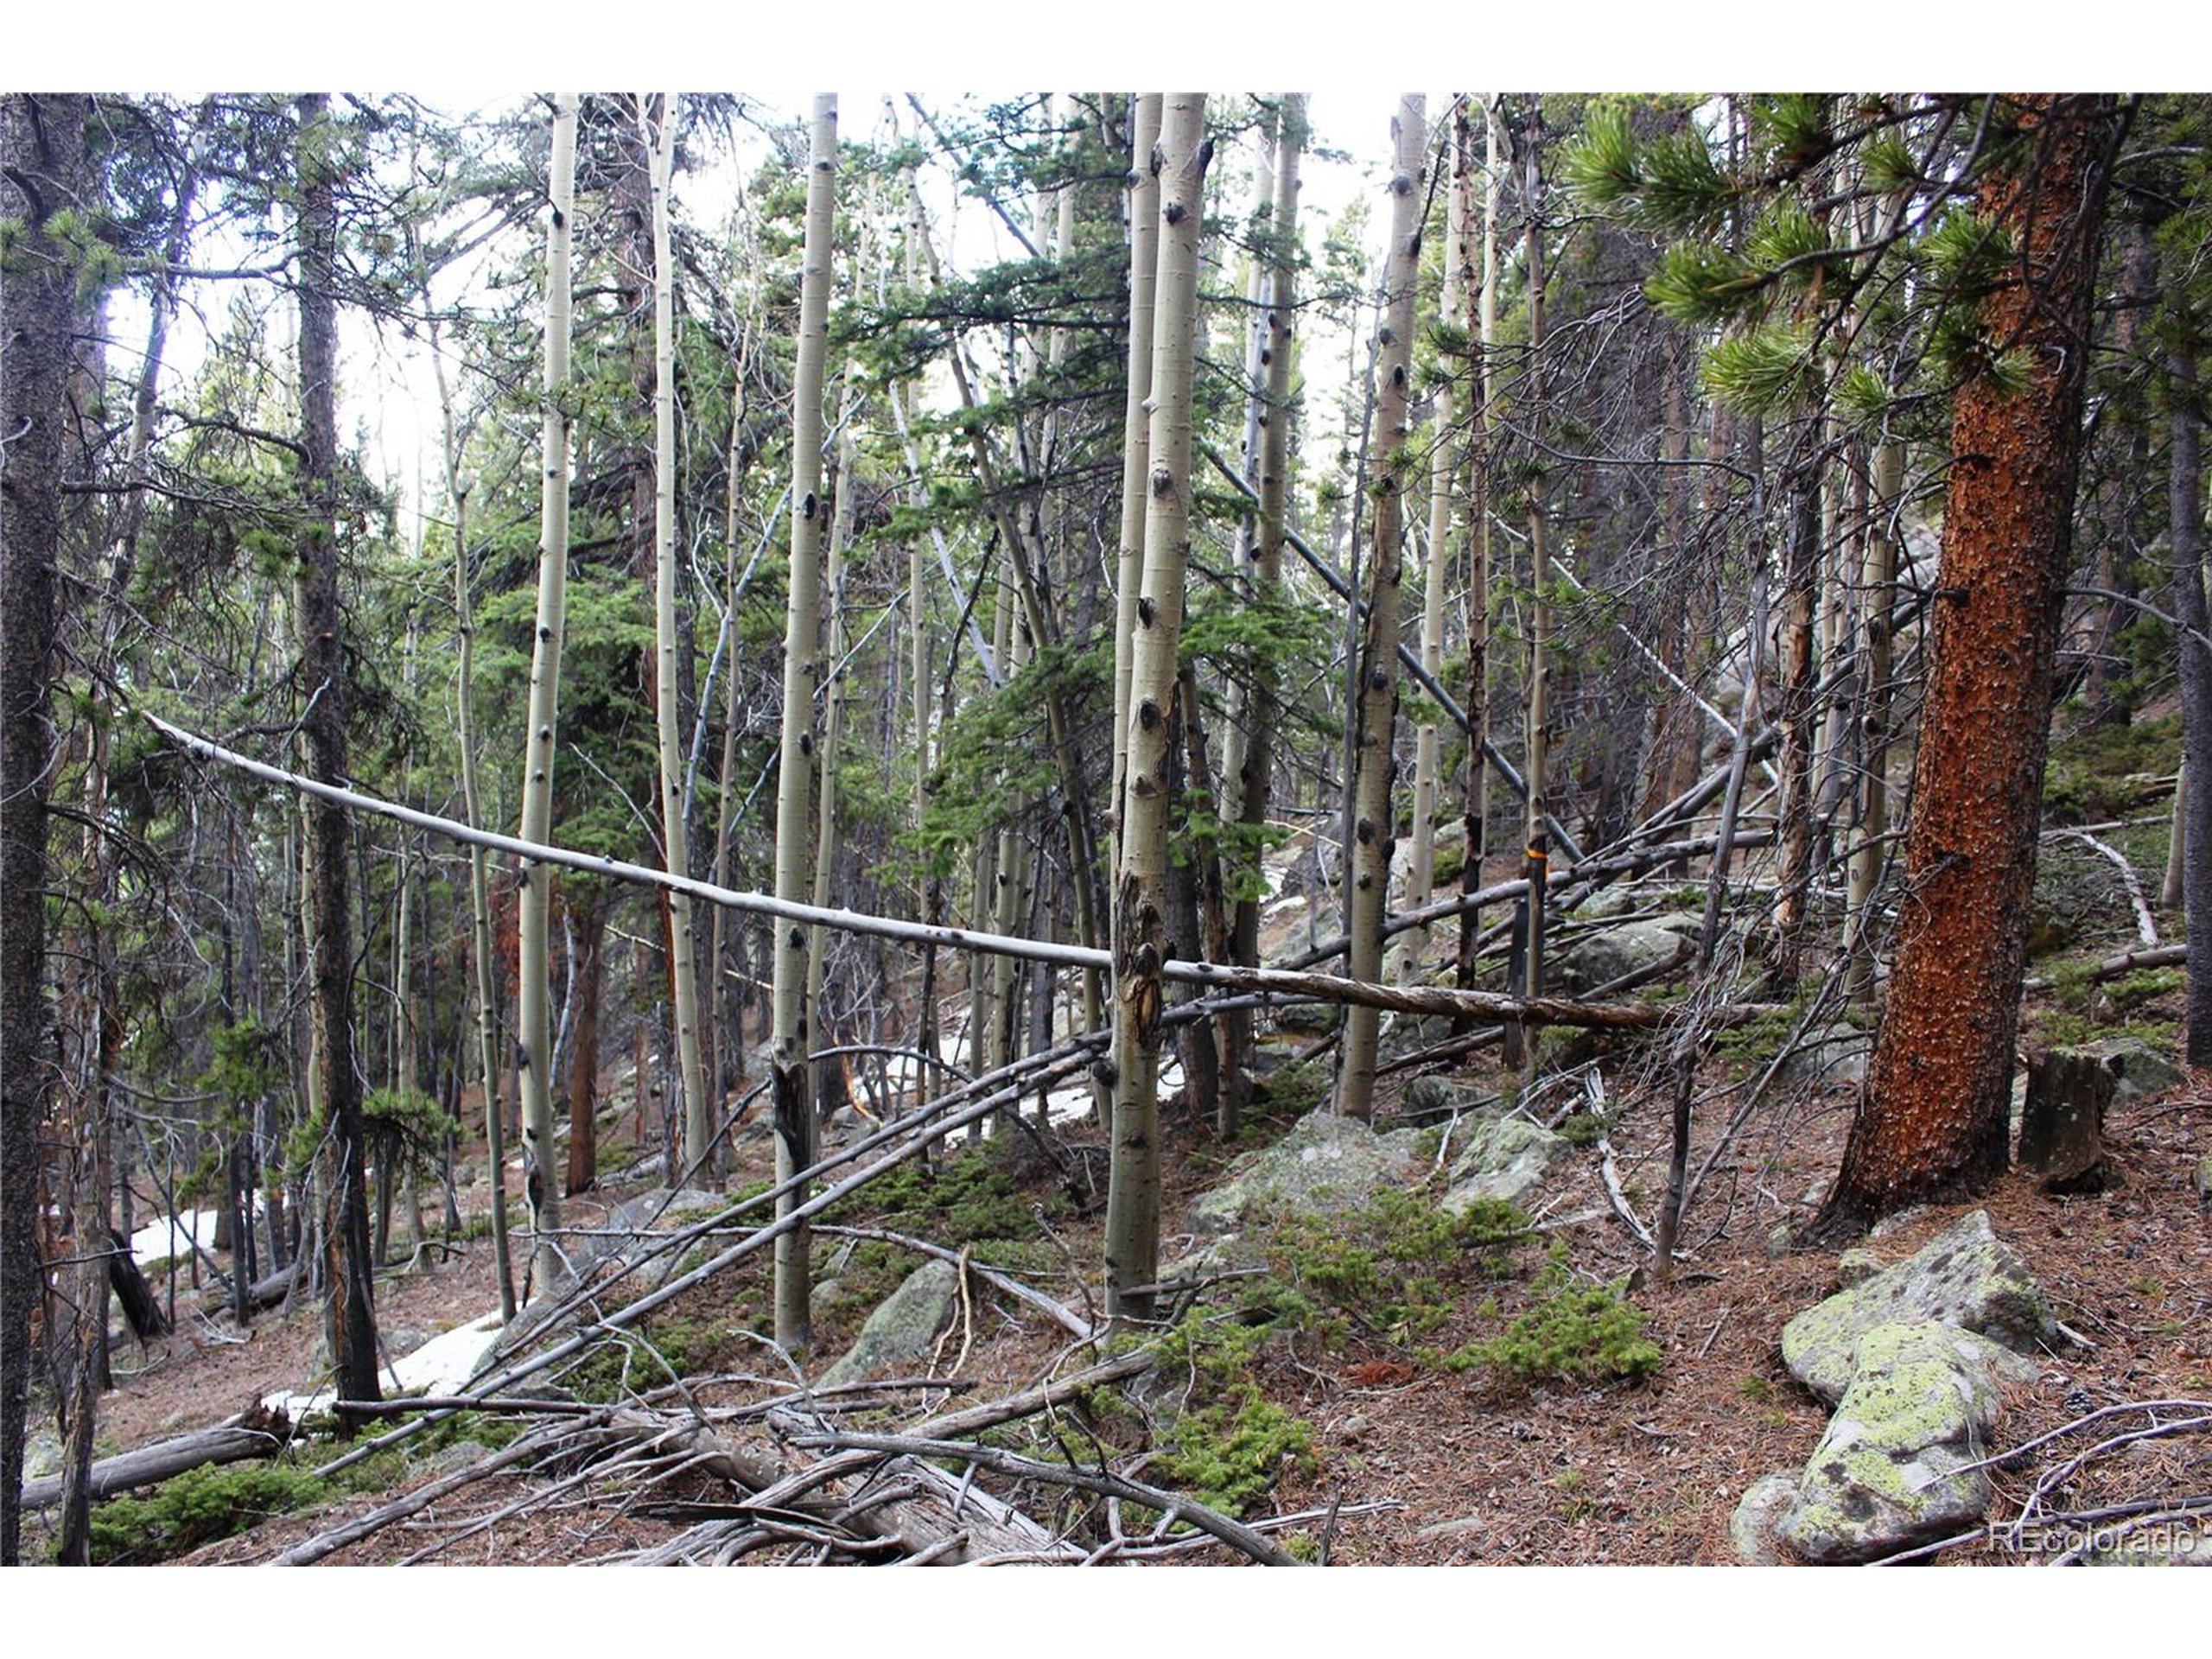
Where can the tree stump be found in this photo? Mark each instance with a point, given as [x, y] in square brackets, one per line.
[2061, 1127]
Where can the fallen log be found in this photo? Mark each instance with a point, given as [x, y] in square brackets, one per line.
[2127, 962]
[1540, 1011]
[255, 1434]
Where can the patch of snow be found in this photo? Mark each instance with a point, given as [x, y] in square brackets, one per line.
[442, 1366]
[157, 1241]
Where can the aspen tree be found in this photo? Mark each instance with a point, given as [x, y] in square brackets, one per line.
[1376, 712]
[833, 713]
[471, 812]
[793, 1095]
[1480, 426]
[1156, 622]
[1877, 581]
[1144, 279]
[534, 1063]
[676, 840]
[1443, 494]
[1251, 772]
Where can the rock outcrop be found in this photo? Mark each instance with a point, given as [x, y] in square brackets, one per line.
[1967, 1277]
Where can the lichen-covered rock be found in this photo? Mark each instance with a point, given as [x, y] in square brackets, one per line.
[1326, 1164]
[1599, 958]
[905, 1328]
[1501, 1158]
[1758, 1517]
[1967, 1277]
[1895, 1469]
[2137, 1067]
[1856, 1268]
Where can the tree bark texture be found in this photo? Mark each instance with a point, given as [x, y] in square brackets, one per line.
[1374, 713]
[1140, 905]
[1254, 762]
[349, 1317]
[1933, 1114]
[534, 1053]
[2186, 537]
[668, 644]
[793, 1102]
[42, 153]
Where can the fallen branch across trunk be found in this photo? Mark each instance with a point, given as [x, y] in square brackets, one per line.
[1537, 1011]
[255, 1434]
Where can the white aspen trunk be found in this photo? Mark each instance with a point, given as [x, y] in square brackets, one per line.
[1443, 491]
[1486, 417]
[1252, 774]
[833, 712]
[534, 1063]
[794, 1110]
[728, 1038]
[1375, 714]
[676, 840]
[472, 812]
[1144, 279]
[1156, 622]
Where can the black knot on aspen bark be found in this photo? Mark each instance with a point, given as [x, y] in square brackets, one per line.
[809, 506]
[1365, 833]
[1378, 680]
[1148, 714]
[806, 744]
[545, 633]
[560, 219]
[797, 939]
[1384, 336]
[1398, 374]
[1174, 212]
[1148, 613]
[1162, 480]
[1156, 162]
[545, 734]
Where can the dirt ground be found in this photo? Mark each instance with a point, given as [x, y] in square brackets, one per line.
[1430, 1467]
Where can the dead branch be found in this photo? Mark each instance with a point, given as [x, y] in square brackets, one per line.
[1235, 1534]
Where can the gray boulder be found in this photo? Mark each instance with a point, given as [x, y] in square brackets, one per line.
[1966, 1277]
[1896, 1467]
[1598, 958]
[1325, 1165]
[905, 1329]
[1503, 1158]
[1757, 1519]
[2137, 1067]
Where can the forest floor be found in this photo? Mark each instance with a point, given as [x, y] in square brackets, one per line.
[1428, 1465]
[1361, 1419]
